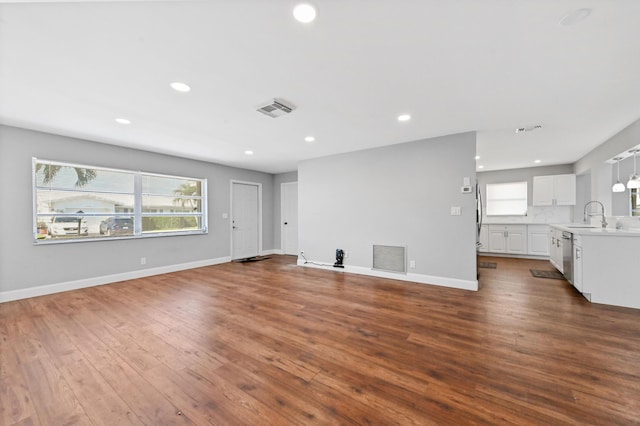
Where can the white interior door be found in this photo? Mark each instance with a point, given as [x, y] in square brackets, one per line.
[289, 225]
[245, 220]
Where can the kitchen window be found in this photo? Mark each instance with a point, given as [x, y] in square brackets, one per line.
[73, 202]
[507, 199]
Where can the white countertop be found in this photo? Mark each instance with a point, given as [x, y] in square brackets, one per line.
[485, 222]
[590, 230]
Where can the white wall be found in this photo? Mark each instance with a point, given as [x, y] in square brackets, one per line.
[395, 195]
[24, 265]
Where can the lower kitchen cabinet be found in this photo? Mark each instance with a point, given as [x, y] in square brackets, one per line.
[508, 239]
[577, 265]
[538, 240]
[555, 249]
[604, 268]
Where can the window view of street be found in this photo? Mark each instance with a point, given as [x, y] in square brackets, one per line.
[73, 202]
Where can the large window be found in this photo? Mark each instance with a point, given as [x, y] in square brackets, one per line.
[77, 202]
[507, 199]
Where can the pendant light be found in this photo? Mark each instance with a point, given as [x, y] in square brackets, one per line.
[634, 180]
[619, 186]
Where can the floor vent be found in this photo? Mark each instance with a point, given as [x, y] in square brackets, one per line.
[390, 258]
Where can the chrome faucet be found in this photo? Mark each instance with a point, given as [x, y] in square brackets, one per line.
[588, 215]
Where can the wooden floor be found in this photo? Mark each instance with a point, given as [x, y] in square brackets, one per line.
[275, 344]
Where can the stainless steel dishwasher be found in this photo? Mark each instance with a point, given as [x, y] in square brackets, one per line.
[567, 255]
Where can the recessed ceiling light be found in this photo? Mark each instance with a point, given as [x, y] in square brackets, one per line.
[248, 152]
[180, 87]
[404, 117]
[574, 17]
[122, 121]
[537, 161]
[304, 13]
[309, 139]
[477, 157]
[481, 167]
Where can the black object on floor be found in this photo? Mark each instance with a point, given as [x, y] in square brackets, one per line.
[488, 265]
[252, 259]
[339, 259]
[546, 274]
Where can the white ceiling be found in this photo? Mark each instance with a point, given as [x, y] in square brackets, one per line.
[71, 68]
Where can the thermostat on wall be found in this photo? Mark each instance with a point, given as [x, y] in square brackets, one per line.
[466, 189]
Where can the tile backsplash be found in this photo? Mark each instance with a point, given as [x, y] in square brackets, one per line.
[535, 214]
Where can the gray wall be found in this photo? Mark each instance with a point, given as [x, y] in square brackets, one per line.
[277, 207]
[395, 195]
[603, 175]
[24, 265]
[583, 196]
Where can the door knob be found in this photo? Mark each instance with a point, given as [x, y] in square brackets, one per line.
[286, 223]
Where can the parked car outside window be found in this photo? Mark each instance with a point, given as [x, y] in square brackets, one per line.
[116, 226]
[67, 225]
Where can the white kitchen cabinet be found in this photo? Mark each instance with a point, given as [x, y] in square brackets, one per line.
[555, 249]
[607, 268]
[538, 240]
[497, 239]
[577, 265]
[554, 190]
[484, 239]
[508, 239]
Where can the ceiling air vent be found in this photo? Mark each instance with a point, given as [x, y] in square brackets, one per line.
[276, 108]
[528, 129]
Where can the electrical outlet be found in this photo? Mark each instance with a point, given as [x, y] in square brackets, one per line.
[346, 254]
[143, 260]
[412, 264]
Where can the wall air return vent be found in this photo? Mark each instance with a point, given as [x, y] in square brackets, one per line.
[390, 258]
[276, 108]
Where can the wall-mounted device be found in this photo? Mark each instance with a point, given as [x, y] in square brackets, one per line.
[466, 185]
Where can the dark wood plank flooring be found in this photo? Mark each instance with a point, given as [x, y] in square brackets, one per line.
[275, 344]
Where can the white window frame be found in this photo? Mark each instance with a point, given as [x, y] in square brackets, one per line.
[507, 199]
[137, 214]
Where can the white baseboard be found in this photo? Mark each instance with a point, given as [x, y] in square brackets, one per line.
[8, 296]
[272, 251]
[412, 277]
[515, 256]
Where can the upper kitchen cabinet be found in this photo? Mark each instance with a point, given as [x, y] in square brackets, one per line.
[554, 190]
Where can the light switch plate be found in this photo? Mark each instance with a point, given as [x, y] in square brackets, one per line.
[456, 210]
